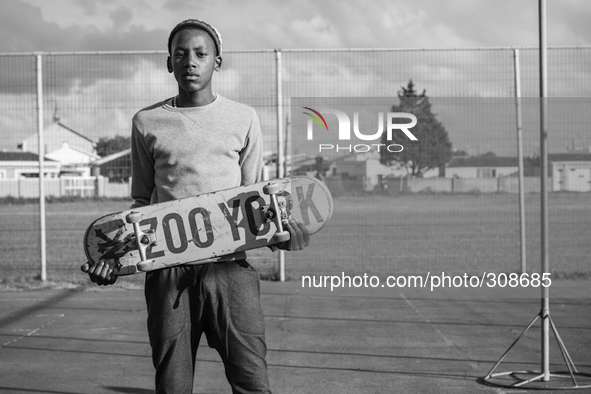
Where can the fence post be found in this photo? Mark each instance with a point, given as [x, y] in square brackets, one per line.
[520, 159]
[41, 152]
[280, 158]
[279, 77]
[544, 192]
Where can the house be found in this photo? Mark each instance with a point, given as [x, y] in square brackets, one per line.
[72, 149]
[116, 167]
[570, 171]
[75, 161]
[291, 163]
[368, 167]
[55, 135]
[486, 166]
[305, 165]
[17, 164]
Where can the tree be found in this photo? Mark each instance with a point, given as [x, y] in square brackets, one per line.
[432, 148]
[488, 154]
[107, 146]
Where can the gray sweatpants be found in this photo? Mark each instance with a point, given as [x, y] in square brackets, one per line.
[221, 300]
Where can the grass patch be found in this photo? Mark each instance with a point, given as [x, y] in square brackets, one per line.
[11, 200]
[368, 234]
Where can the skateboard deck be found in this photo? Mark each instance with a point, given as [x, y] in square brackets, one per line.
[200, 229]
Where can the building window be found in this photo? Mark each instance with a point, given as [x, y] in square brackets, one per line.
[486, 173]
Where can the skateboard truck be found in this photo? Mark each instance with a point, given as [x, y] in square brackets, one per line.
[277, 213]
[142, 240]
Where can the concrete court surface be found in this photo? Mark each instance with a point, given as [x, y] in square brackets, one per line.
[399, 340]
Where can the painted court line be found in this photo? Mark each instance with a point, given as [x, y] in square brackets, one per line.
[35, 330]
[446, 340]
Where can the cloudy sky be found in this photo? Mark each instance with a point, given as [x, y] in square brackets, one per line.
[98, 95]
[89, 25]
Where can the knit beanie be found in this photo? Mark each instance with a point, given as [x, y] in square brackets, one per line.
[197, 24]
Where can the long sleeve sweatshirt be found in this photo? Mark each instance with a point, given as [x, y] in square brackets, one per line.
[180, 152]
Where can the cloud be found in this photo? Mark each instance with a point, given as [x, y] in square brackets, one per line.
[26, 30]
[121, 17]
[23, 29]
[316, 31]
[573, 26]
[68, 25]
[99, 94]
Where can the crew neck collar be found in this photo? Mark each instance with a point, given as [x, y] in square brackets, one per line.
[168, 104]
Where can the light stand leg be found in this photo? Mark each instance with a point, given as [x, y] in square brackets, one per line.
[567, 360]
[490, 374]
[544, 375]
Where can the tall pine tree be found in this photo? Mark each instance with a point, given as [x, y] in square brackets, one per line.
[432, 148]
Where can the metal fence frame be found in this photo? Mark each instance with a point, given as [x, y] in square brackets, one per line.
[282, 104]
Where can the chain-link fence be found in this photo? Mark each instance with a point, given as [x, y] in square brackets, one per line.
[385, 221]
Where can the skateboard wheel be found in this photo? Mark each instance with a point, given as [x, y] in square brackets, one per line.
[145, 265]
[271, 188]
[281, 237]
[133, 217]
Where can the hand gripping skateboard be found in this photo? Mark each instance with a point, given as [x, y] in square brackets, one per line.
[201, 229]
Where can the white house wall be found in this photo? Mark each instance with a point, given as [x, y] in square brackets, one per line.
[14, 169]
[571, 176]
[68, 156]
[472, 172]
[506, 171]
[460, 172]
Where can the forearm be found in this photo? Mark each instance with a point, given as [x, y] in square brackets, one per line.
[142, 170]
[252, 155]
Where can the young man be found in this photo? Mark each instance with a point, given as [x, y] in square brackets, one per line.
[194, 143]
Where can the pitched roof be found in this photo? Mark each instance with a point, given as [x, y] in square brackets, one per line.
[569, 157]
[111, 157]
[67, 146]
[483, 161]
[75, 132]
[20, 156]
[59, 124]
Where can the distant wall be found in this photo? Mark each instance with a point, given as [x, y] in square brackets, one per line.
[530, 185]
[120, 190]
[64, 187]
[464, 185]
[415, 185]
[482, 185]
[341, 185]
[101, 187]
[29, 188]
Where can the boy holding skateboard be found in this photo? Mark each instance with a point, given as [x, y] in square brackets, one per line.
[195, 143]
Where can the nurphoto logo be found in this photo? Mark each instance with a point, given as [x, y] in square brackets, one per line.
[344, 130]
